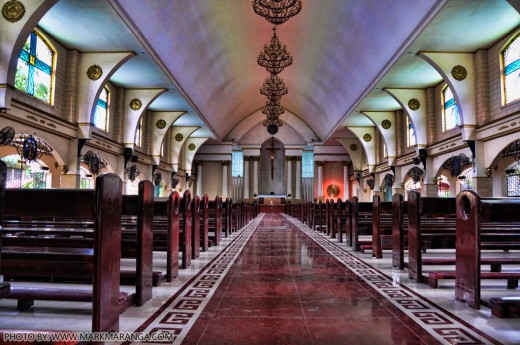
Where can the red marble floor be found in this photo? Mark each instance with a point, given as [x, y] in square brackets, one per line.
[286, 289]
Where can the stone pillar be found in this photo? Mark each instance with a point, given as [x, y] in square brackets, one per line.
[482, 180]
[225, 178]
[345, 181]
[298, 177]
[289, 176]
[255, 175]
[199, 178]
[246, 177]
[320, 180]
[70, 173]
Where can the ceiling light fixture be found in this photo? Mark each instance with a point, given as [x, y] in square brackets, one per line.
[277, 11]
[273, 88]
[274, 57]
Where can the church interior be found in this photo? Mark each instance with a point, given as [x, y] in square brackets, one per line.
[316, 137]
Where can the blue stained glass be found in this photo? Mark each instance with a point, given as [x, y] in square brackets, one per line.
[28, 78]
[101, 112]
[102, 103]
[237, 168]
[451, 116]
[515, 66]
[511, 61]
[307, 164]
[449, 103]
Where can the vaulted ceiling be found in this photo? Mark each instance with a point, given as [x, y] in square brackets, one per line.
[345, 51]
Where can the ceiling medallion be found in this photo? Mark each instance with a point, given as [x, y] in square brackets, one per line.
[192, 147]
[94, 72]
[386, 124]
[136, 104]
[273, 88]
[161, 124]
[367, 137]
[179, 137]
[13, 11]
[332, 190]
[353, 147]
[277, 11]
[459, 72]
[414, 104]
[274, 57]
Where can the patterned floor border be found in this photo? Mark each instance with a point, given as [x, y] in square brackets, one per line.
[179, 314]
[444, 327]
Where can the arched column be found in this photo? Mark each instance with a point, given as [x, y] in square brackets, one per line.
[298, 178]
[255, 175]
[320, 180]
[246, 177]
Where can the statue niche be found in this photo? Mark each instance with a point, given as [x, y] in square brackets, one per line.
[272, 168]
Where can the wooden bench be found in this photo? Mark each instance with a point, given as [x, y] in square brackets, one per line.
[480, 220]
[5, 288]
[431, 224]
[204, 223]
[195, 227]
[382, 216]
[399, 230]
[226, 217]
[319, 218]
[215, 220]
[100, 262]
[361, 222]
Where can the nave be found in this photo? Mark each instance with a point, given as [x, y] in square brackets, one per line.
[278, 282]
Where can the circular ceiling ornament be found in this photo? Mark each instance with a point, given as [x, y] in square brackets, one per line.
[414, 104]
[353, 147]
[386, 124]
[161, 124]
[459, 72]
[179, 137]
[332, 191]
[94, 72]
[272, 129]
[13, 11]
[136, 104]
[192, 147]
[367, 137]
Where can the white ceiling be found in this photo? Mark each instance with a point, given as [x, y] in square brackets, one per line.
[345, 52]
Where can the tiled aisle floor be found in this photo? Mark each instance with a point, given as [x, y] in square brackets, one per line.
[287, 289]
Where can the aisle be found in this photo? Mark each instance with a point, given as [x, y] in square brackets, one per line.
[286, 289]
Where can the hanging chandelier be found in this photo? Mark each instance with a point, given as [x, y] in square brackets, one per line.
[274, 57]
[277, 11]
[273, 109]
[273, 88]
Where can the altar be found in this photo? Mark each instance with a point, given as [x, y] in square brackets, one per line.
[271, 203]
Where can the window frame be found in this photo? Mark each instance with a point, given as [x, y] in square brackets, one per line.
[107, 117]
[502, 70]
[443, 104]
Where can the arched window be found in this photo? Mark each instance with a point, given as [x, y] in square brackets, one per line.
[511, 71]
[35, 68]
[450, 110]
[412, 139]
[26, 175]
[101, 112]
[139, 133]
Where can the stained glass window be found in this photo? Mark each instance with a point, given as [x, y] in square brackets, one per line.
[34, 71]
[412, 140]
[450, 110]
[385, 152]
[139, 133]
[307, 164]
[101, 112]
[237, 161]
[511, 63]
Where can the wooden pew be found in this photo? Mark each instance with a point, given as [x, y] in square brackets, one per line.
[186, 229]
[381, 226]
[215, 219]
[226, 217]
[5, 288]
[361, 222]
[431, 224]
[340, 219]
[101, 208]
[204, 223]
[166, 231]
[319, 216]
[399, 230]
[495, 221]
[195, 227]
[137, 240]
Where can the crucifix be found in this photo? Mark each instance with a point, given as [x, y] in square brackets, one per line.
[272, 149]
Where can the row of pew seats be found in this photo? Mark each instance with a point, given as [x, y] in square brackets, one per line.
[434, 232]
[81, 235]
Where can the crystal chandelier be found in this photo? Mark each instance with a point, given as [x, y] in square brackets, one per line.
[273, 88]
[274, 57]
[273, 109]
[277, 11]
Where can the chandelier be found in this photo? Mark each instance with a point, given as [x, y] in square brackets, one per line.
[273, 109]
[277, 11]
[273, 88]
[274, 57]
